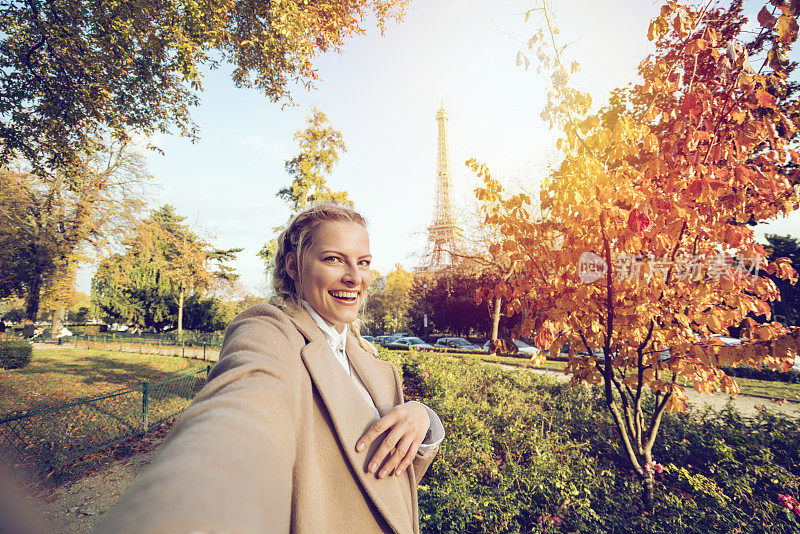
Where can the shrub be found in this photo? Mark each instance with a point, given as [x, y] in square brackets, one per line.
[791, 376]
[526, 453]
[15, 353]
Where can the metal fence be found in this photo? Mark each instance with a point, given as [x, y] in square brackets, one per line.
[46, 438]
[143, 345]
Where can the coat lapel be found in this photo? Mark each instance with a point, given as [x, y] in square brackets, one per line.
[352, 417]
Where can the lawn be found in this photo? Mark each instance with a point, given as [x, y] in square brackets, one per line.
[56, 376]
[50, 425]
[749, 386]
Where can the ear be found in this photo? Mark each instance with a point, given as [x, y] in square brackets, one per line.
[291, 265]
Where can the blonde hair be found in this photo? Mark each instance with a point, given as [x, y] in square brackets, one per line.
[296, 239]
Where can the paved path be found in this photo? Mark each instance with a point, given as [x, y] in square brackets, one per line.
[745, 404]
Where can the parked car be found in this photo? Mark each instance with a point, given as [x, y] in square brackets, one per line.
[368, 338]
[383, 340]
[455, 343]
[522, 347]
[410, 342]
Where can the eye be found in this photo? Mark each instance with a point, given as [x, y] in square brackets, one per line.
[365, 263]
[332, 259]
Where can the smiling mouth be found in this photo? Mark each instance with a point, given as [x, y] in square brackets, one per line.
[347, 297]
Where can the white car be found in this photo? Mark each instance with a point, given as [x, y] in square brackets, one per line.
[522, 347]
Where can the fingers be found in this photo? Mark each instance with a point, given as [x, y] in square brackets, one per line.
[407, 426]
[409, 457]
[377, 428]
[390, 442]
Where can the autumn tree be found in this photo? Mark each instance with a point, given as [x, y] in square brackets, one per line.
[47, 220]
[78, 74]
[644, 250]
[163, 263]
[320, 147]
[389, 301]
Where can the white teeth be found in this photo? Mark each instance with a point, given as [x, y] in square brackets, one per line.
[345, 294]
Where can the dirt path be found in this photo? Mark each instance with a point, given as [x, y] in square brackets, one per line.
[77, 506]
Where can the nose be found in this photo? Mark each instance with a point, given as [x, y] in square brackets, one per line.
[350, 275]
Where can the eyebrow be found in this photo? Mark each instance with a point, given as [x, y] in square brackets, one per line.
[343, 254]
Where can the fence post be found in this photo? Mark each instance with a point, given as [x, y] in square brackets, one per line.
[183, 349]
[159, 346]
[76, 342]
[204, 351]
[88, 339]
[208, 370]
[140, 345]
[145, 403]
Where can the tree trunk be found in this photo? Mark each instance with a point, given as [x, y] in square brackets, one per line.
[495, 321]
[32, 306]
[58, 321]
[649, 492]
[180, 314]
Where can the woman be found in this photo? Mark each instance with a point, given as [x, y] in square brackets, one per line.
[299, 428]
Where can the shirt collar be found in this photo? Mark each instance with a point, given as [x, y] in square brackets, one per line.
[337, 340]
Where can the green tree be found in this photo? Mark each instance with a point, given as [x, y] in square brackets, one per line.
[320, 146]
[447, 296]
[46, 221]
[77, 73]
[164, 262]
[787, 309]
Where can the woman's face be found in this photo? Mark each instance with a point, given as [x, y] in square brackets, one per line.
[335, 274]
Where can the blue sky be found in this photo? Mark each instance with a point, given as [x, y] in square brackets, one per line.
[382, 93]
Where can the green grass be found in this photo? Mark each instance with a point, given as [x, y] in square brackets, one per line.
[749, 386]
[57, 376]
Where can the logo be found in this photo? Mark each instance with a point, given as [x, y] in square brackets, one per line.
[591, 267]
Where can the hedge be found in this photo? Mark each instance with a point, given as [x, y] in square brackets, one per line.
[791, 376]
[15, 353]
[525, 453]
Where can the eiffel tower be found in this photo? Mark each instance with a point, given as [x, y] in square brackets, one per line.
[444, 235]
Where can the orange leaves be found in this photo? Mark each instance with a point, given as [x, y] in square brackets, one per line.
[691, 106]
[544, 339]
[765, 99]
[696, 46]
[638, 222]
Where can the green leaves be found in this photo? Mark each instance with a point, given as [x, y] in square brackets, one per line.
[77, 72]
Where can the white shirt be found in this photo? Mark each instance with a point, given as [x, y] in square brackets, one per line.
[338, 342]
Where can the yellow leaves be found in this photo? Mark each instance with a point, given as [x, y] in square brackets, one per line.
[696, 46]
[786, 29]
[680, 25]
[589, 123]
[651, 143]
[658, 28]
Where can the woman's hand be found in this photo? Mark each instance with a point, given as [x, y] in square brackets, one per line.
[407, 425]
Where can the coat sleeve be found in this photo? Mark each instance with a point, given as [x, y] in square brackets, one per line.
[227, 464]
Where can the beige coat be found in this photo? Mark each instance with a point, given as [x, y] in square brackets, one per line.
[268, 445]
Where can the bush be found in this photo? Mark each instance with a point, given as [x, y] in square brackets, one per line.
[15, 353]
[526, 453]
[791, 376]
